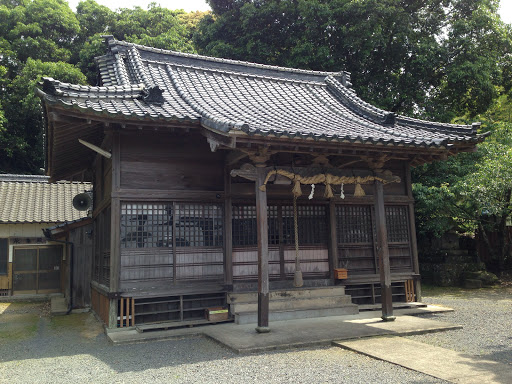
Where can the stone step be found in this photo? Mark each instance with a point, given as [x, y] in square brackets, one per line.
[252, 317]
[252, 297]
[295, 304]
[58, 305]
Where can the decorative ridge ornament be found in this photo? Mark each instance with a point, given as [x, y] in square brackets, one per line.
[153, 95]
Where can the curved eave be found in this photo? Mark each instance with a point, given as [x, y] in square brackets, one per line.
[90, 111]
[435, 144]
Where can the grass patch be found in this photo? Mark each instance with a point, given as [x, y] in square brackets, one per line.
[18, 326]
[500, 291]
[83, 324]
[434, 290]
[74, 320]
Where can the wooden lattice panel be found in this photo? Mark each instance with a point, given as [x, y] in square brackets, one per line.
[244, 229]
[397, 223]
[312, 224]
[354, 224]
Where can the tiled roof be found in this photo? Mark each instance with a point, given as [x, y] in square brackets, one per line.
[238, 97]
[38, 201]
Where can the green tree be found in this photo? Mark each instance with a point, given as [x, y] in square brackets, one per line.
[44, 38]
[45, 29]
[155, 27]
[477, 56]
[471, 192]
[3, 120]
[489, 191]
[429, 58]
[21, 148]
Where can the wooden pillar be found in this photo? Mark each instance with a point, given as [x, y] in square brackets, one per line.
[262, 227]
[115, 228]
[333, 239]
[383, 253]
[228, 232]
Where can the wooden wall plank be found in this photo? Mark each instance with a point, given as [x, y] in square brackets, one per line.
[170, 162]
[82, 265]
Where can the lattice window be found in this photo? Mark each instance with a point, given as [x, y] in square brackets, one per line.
[273, 225]
[151, 225]
[397, 224]
[312, 224]
[199, 225]
[146, 225]
[354, 224]
[245, 231]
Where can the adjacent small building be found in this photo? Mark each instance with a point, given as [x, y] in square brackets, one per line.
[216, 178]
[29, 262]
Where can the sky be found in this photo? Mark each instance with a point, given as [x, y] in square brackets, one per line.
[200, 5]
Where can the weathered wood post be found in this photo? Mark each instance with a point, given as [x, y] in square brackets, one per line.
[115, 225]
[258, 174]
[262, 227]
[383, 253]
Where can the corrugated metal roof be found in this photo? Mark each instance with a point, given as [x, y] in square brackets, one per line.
[229, 96]
[39, 201]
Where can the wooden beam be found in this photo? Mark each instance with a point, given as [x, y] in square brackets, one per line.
[217, 140]
[383, 253]
[235, 156]
[263, 277]
[130, 123]
[96, 149]
[248, 172]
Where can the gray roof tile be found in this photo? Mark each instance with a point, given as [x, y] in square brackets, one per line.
[257, 99]
[37, 201]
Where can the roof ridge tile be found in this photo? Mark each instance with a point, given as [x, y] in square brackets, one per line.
[114, 42]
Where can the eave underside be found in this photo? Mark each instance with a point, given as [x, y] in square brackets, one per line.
[67, 159]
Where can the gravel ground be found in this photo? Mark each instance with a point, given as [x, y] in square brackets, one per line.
[486, 317]
[37, 348]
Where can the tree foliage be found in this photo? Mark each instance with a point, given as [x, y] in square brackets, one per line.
[434, 59]
[21, 144]
[45, 38]
[439, 59]
[44, 29]
[431, 58]
[471, 192]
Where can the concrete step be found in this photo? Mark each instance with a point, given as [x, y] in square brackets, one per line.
[295, 304]
[59, 305]
[252, 297]
[252, 317]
